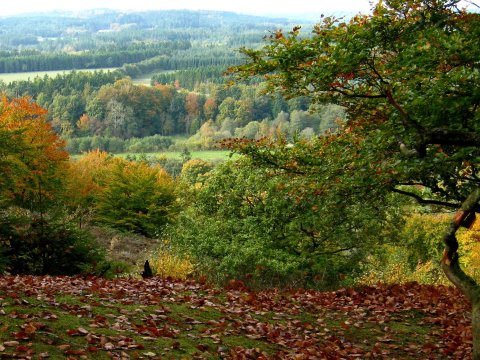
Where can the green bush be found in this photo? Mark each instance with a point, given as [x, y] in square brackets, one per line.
[269, 229]
[40, 244]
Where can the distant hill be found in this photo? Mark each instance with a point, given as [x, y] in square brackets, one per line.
[67, 24]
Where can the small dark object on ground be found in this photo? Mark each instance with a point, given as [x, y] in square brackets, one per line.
[147, 270]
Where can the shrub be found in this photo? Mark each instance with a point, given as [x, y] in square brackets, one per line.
[196, 171]
[269, 229]
[165, 263]
[42, 244]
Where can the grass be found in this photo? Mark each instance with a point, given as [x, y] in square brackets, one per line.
[25, 76]
[202, 154]
[207, 155]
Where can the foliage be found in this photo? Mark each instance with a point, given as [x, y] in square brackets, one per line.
[35, 243]
[32, 154]
[136, 197]
[384, 68]
[114, 145]
[407, 76]
[196, 171]
[272, 228]
[166, 264]
[470, 250]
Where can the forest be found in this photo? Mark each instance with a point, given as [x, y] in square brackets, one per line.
[348, 204]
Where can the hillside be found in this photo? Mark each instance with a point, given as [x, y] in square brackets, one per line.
[94, 318]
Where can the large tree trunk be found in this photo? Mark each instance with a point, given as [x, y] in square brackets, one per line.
[476, 329]
[451, 266]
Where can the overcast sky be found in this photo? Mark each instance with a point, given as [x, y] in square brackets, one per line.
[256, 7]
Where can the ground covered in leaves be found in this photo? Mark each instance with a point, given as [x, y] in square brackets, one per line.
[94, 318]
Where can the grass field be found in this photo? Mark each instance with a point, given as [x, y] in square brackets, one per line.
[24, 76]
[204, 154]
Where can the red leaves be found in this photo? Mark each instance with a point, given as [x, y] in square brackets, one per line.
[156, 332]
[370, 322]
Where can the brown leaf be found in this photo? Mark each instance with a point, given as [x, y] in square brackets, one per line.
[11, 343]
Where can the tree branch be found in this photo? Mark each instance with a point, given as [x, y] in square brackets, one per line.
[445, 136]
[450, 260]
[351, 94]
[336, 251]
[408, 122]
[426, 201]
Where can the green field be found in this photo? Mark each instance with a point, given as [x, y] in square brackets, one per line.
[146, 78]
[209, 155]
[24, 76]
[204, 154]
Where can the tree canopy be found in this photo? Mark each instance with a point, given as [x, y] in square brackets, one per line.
[408, 77]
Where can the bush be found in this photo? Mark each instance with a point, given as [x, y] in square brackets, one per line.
[270, 229]
[165, 263]
[153, 143]
[46, 244]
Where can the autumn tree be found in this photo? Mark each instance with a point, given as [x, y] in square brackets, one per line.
[32, 154]
[35, 235]
[136, 197]
[408, 77]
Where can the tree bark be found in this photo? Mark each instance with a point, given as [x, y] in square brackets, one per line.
[476, 328]
[453, 271]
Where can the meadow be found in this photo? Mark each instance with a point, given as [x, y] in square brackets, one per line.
[8, 78]
[208, 155]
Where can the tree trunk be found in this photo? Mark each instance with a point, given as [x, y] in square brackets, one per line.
[476, 328]
[451, 266]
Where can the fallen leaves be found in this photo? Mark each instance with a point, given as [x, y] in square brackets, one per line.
[158, 318]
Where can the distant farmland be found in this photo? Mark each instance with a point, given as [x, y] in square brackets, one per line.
[207, 155]
[10, 77]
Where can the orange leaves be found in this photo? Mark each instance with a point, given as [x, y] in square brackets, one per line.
[37, 153]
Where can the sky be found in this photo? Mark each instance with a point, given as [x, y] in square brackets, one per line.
[255, 7]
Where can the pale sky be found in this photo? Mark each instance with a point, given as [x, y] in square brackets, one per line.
[255, 7]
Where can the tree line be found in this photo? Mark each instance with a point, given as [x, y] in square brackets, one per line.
[105, 104]
[25, 61]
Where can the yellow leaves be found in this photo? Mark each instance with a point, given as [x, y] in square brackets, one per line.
[37, 156]
[83, 123]
[469, 240]
[166, 264]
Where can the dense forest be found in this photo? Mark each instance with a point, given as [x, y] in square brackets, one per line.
[354, 148]
[141, 42]
[185, 54]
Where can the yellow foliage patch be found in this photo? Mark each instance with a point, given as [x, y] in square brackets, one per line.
[394, 267]
[166, 264]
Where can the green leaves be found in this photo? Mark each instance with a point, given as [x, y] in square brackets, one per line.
[281, 225]
[408, 78]
[136, 197]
